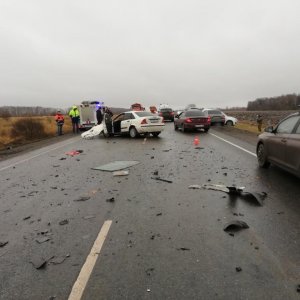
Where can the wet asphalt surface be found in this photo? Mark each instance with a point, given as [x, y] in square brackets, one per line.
[166, 240]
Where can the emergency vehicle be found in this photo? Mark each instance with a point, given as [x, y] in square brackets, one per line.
[87, 112]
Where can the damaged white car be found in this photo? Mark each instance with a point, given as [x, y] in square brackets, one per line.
[132, 123]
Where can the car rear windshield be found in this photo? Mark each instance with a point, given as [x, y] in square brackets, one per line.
[144, 114]
[196, 113]
[166, 110]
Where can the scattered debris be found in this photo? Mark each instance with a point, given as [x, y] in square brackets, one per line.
[42, 240]
[149, 271]
[155, 173]
[26, 218]
[59, 259]
[161, 179]
[159, 214]
[235, 226]
[88, 217]
[72, 153]
[83, 198]
[110, 199]
[183, 249]
[238, 269]
[231, 233]
[2, 244]
[298, 288]
[117, 166]
[199, 148]
[120, 173]
[40, 263]
[63, 158]
[64, 222]
[195, 187]
[148, 290]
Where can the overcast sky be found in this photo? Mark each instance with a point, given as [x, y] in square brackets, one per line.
[214, 53]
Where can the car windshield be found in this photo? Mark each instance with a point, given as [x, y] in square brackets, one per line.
[166, 110]
[196, 113]
[144, 114]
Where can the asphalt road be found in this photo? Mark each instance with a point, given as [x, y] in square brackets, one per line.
[165, 241]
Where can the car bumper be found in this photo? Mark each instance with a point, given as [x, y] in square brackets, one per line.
[197, 126]
[151, 128]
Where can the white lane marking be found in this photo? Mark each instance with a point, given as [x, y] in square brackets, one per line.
[239, 147]
[86, 270]
[35, 156]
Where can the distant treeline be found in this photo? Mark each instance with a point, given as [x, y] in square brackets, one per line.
[285, 102]
[22, 111]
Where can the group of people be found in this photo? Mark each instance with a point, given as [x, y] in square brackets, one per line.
[102, 112]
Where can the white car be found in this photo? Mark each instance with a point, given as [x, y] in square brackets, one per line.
[230, 121]
[135, 123]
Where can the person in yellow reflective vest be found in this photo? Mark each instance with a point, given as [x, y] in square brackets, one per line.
[74, 115]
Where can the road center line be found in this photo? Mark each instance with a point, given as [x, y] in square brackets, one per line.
[239, 147]
[35, 156]
[86, 270]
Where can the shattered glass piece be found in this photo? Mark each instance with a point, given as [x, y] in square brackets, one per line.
[117, 165]
[216, 187]
[235, 226]
[83, 198]
[194, 187]
[40, 263]
[42, 240]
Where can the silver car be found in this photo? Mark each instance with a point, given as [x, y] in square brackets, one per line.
[281, 145]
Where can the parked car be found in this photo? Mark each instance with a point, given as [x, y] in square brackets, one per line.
[281, 145]
[192, 120]
[135, 123]
[230, 121]
[217, 117]
[167, 114]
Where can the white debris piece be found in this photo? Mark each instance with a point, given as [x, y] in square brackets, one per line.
[94, 131]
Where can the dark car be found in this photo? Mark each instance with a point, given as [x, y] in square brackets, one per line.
[281, 145]
[217, 117]
[192, 120]
[167, 114]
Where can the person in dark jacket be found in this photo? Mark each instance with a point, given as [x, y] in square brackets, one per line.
[259, 120]
[99, 115]
[108, 120]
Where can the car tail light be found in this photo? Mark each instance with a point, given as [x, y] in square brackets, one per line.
[160, 114]
[188, 120]
[208, 119]
[144, 121]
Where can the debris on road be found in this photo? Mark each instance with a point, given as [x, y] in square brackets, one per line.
[73, 153]
[59, 259]
[42, 240]
[234, 226]
[26, 218]
[120, 173]
[195, 187]
[161, 179]
[238, 269]
[40, 263]
[148, 290]
[149, 271]
[63, 158]
[2, 244]
[117, 166]
[83, 198]
[110, 199]
[298, 288]
[64, 222]
[159, 214]
[183, 249]
[88, 217]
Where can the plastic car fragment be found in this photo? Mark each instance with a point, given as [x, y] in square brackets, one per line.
[235, 226]
[117, 165]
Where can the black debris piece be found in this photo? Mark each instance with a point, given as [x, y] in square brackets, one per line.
[231, 233]
[280, 213]
[2, 244]
[83, 198]
[298, 288]
[52, 298]
[26, 218]
[80, 151]
[161, 179]
[159, 214]
[256, 248]
[63, 158]
[183, 249]
[225, 174]
[155, 173]
[152, 237]
[238, 269]
[199, 148]
[149, 271]
[167, 150]
[110, 199]
[59, 259]
[88, 217]
[42, 240]
[152, 157]
[64, 222]
[235, 226]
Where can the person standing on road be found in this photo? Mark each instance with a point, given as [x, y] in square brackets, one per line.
[60, 120]
[74, 115]
[108, 120]
[259, 121]
[99, 115]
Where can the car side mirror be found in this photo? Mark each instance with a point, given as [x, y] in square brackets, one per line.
[269, 129]
[176, 116]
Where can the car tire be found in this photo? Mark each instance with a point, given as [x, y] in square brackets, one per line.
[155, 134]
[206, 130]
[261, 156]
[229, 123]
[133, 132]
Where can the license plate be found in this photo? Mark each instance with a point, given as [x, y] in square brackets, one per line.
[199, 126]
[154, 120]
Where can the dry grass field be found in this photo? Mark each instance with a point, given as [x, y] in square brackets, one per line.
[11, 133]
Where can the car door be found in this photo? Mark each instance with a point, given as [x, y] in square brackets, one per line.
[293, 148]
[180, 120]
[125, 124]
[277, 142]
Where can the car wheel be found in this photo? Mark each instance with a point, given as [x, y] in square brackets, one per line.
[206, 130]
[229, 123]
[155, 134]
[261, 156]
[133, 132]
